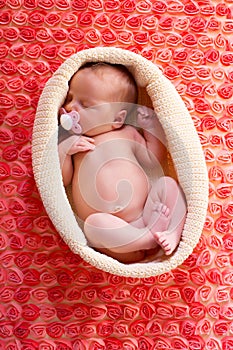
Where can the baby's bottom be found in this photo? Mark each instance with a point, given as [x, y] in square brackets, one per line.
[161, 223]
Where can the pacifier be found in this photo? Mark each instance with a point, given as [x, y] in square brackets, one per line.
[70, 121]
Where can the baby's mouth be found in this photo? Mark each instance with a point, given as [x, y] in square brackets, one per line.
[70, 121]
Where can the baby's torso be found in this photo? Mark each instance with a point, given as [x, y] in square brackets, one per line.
[109, 179]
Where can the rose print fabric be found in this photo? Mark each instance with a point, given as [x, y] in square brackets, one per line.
[51, 299]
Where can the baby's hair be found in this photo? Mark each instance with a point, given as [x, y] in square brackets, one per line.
[129, 90]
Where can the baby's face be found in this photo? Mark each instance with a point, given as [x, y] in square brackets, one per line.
[89, 95]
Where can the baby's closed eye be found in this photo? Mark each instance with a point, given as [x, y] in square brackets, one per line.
[68, 99]
[84, 104]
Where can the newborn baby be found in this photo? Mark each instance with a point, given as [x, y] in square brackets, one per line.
[125, 215]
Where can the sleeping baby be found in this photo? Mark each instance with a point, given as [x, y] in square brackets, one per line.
[126, 215]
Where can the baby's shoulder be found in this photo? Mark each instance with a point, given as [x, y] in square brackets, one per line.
[133, 133]
[131, 130]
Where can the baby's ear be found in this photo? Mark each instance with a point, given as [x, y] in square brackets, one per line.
[119, 118]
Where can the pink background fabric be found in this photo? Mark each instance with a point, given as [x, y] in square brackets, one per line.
[51, 299]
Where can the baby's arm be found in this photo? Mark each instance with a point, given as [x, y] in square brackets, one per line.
[153, 140]
[69, 147]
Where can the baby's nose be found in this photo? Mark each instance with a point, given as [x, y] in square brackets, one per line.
[72, 106]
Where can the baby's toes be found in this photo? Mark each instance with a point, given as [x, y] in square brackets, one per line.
[162, 241]
[165, 210]
[167, 249]
[165, 245]
[158, 207]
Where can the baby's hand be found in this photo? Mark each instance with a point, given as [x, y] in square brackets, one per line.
[81, 144]
[75, 144]
[145, 117]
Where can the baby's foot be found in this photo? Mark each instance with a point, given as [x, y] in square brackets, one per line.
[168, 241]
[160, 218]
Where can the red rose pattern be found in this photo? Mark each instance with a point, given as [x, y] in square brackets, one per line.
[49, 298]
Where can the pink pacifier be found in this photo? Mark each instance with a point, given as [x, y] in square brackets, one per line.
[70, 121]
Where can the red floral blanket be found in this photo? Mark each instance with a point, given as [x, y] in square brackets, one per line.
[51, 299]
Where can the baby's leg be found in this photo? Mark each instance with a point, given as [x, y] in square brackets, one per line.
[169, 194]
[155, 214]
[106, 231]
[126, 258]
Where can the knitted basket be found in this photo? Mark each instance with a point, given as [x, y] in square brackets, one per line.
[183, 144]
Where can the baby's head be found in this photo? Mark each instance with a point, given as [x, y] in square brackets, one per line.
[103, 94]
[120, 83]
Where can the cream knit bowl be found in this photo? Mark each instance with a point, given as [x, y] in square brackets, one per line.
[183, 144]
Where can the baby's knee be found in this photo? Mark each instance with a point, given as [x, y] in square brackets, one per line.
[91, 224]
[166, 182]
[169, 182]
[101, 221]
[164, 186]
[91, 229]
[93, 220]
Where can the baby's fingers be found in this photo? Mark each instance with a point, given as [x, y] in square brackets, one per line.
[88, 139]
[85, 145]
[75, 144]
[142, 110]
[145, 111]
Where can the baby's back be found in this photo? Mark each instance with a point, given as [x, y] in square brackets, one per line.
[109, 179]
